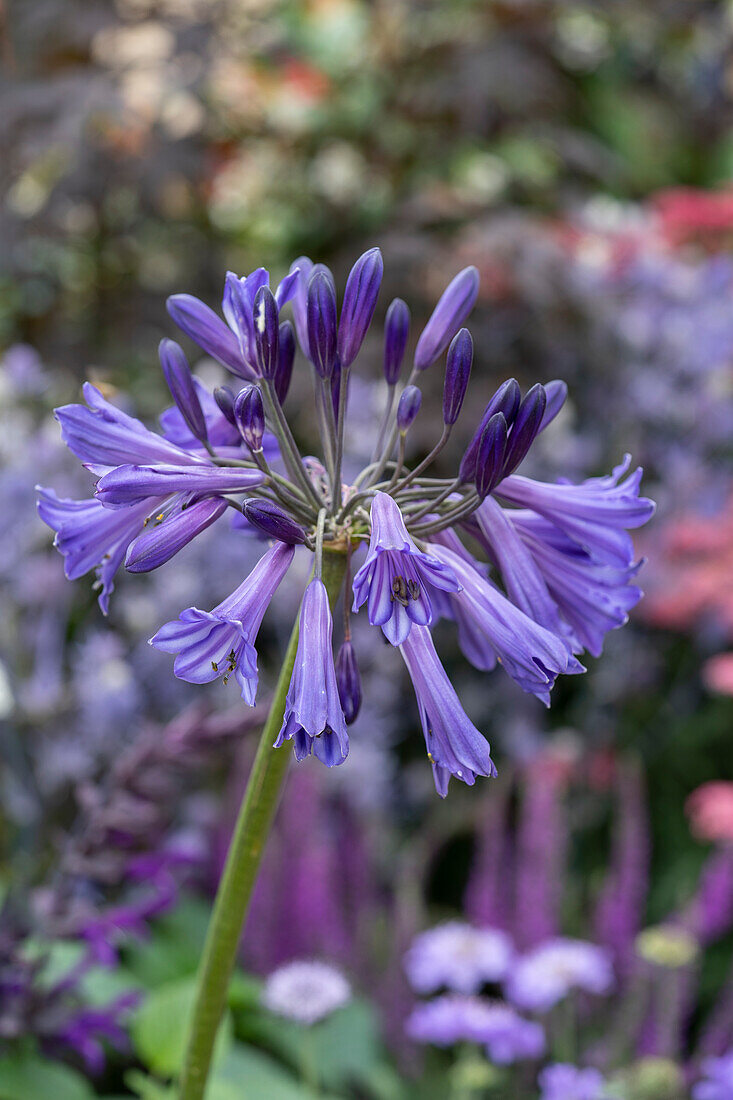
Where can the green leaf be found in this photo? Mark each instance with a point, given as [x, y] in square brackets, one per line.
[174, 949]
[346, 1045]
[31, 1077]
[160, 1027]
[256, 1076]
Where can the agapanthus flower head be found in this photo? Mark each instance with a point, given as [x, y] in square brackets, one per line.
[306, 991]
[563, 1081]
[551, 567]
[458, 956]
[544, 976]
[455, 1018]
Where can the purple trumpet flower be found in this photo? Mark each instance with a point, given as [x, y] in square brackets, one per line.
[455, 746]
[595, 514]
[357, 310]
[90, 536]
[130, 484]
[490, 627]
[454, 306]
[396, 577]
[304, 267]
[556, 394]
[592, 597]
[525, 585]
[233, 343]
[101, 435]
[314, 720]
[162, 538]
[209, 644]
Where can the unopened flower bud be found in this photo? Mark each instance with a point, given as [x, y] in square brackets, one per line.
[321, 309]
[180, 382]
[225, 398]
[336, 383]
[409, 407]
[266, 329]
[285, 359]
[348, 682]
[270, 518]
[525, 427]
[357, 310]
[249, 416]
[396, 331]
[490, 460]
[455, 304]
[557, 393]
[506, 400]
[457, 373]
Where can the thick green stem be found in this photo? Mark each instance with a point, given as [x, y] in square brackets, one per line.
[245, 854]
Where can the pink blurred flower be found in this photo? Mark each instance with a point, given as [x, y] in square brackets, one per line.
[718, 673]
[710, 811]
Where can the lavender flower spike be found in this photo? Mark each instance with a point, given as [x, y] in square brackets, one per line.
[454, 306]
[455, 746]
[209, 644]
[396, 577]
[360, 298]
[314, 720]
[563, 1081]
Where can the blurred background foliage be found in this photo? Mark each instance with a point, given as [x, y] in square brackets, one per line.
[149, 146]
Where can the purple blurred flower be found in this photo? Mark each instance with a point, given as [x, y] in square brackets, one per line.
[565, 1082]
[541, 978]
[396, 577]
[458, 956]
[453, 1019]
[717, 1079]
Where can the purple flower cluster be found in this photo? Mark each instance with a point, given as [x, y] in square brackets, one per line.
[560, 562]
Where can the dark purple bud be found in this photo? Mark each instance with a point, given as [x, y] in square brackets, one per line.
[557, 393]
[490, 460]
[249, 415]
[336, 381]
[224, 398]
[348, 682]
[322, 322]
[525, 427]
[267, 331]
[506, 400]
[207, 330]
[457, 373]
[299, 300]
[285, 360]
[454, 306]
[269, 518]
[357, 310]
[409, 407]
[396, 332]
[160, 541]
[180, 382]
